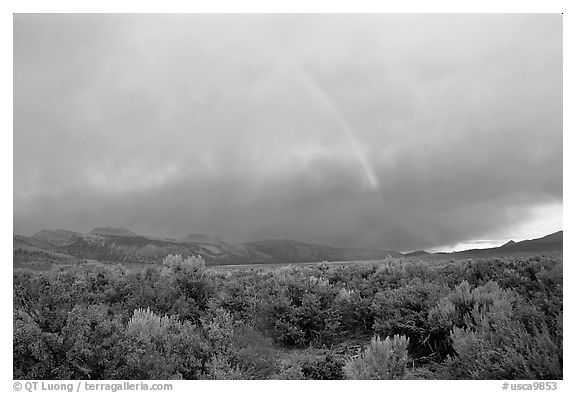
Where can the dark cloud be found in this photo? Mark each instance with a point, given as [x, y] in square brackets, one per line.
[386, 131]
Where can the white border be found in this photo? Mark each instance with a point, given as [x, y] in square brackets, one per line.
[247, 6]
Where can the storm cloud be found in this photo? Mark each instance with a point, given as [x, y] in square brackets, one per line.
[380, 131]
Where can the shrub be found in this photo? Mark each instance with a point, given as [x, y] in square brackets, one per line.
[494, 334]
[163, 348]
[181, 320]
[189, 277]
[456, 309]
[327, 368]
[191, 263]
[503, 351]
[220, 368]
[91, 341]
[145, 325]
[496, 344]
[299, 310]
[288, 371]
[33, 358]
[404, 311]
[381, 360]
[240, 351]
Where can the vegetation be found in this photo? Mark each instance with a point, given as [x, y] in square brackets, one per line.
[381, 360]
[397, 319]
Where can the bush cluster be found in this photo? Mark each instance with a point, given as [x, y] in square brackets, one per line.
[474, 319]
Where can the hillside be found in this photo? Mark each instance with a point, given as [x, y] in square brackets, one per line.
[124, 246]
[202, 239]
[112, 231]
[419, 253]
[546, 244]
[553, 241]
[121, 245]
[293, 251]
[58, 237]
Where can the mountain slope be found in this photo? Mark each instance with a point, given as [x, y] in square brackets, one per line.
[202, 239]
[419, 253]
[552, 242]
[293, 251]
[124, 246]
[113, 231]
[548, 243]
[508, 244]
[59, 237]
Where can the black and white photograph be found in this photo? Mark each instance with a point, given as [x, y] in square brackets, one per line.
[287, 196]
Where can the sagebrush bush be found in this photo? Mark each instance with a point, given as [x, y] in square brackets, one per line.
[503, 351]
[145, 325]
[92, 338]
[177, 262]
[495, 344]
[33, 358]
[325, 368]
[163, 348]
[385, 359]
[404, 311]
[494, 334]
[457, 308]
[481, 319]
[238, 350]
[190, 279]
[288, 371]
[220, 368]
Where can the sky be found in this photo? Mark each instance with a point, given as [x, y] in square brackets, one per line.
[384, 131]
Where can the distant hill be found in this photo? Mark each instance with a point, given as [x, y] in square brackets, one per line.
[59, 237]
[112, 231]
[549, 243]
[30, 243]
[293, 251]
[552, 242]
[508, 244]
[201, 238]
[121, 245]
[417, 253]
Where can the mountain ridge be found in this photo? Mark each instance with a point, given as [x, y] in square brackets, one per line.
[113, 231]
[112, 244]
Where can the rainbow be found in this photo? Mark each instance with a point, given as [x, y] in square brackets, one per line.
[318, 93]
